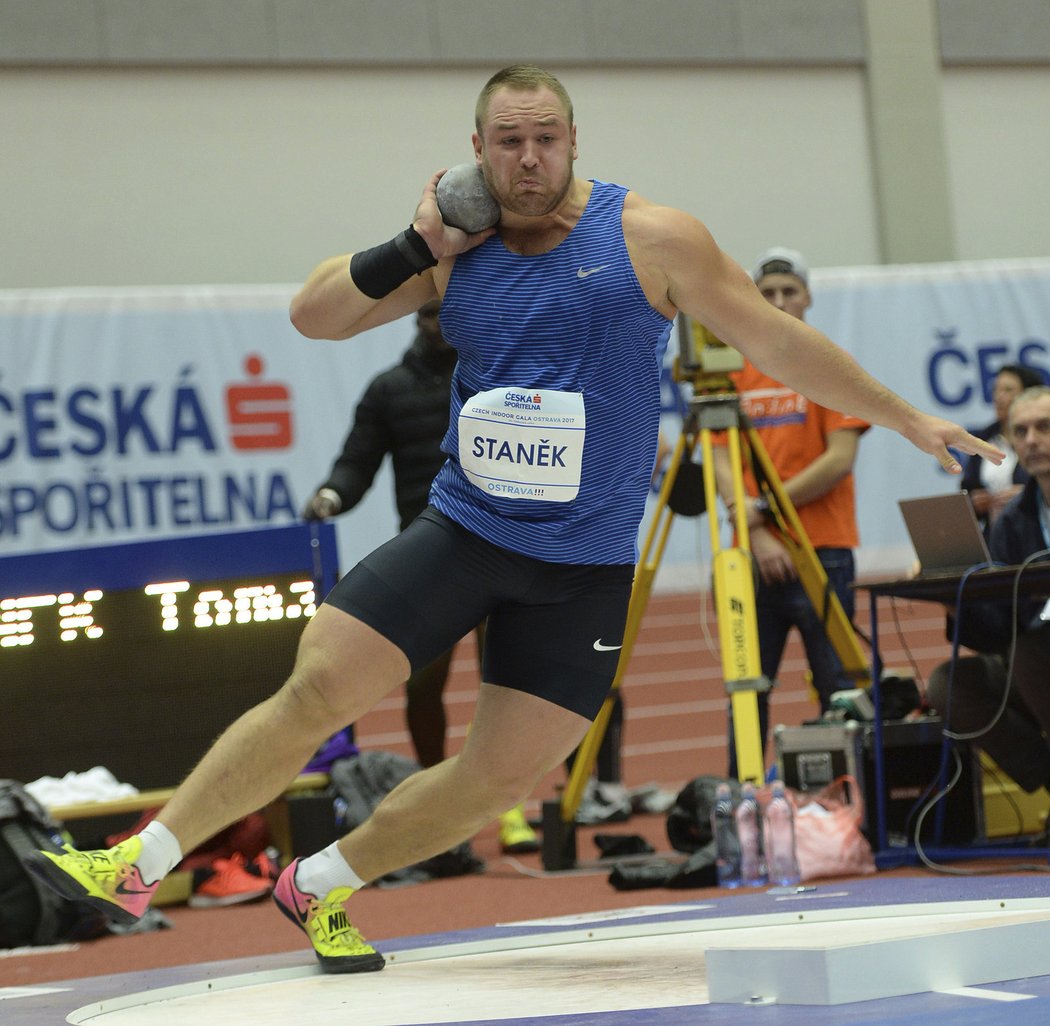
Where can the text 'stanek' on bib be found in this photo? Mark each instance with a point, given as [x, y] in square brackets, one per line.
[517, 443]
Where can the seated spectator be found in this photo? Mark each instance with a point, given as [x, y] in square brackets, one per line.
[991, 487]
[1010, 716]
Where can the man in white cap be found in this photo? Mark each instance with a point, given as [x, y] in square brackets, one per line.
[813, 450]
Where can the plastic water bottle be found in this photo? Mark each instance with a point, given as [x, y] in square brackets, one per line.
[749, 834]
[340, 808]
[781, 859]
[723, 829]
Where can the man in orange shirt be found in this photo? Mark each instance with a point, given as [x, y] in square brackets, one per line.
[813, 450]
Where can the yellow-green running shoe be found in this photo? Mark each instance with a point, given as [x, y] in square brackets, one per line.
[516, 837]
[108, 880]
[337, 944]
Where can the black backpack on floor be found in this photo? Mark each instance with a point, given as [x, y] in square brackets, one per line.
[362, 782]
[30, 912]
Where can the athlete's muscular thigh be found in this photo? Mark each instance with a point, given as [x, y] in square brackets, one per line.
[343, 667]
[516, 738]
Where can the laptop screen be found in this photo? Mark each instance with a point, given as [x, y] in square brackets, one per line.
[944, 532]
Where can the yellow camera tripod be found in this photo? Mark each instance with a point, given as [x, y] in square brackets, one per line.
[705, 363]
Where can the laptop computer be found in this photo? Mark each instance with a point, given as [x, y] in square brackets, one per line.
[945, 533]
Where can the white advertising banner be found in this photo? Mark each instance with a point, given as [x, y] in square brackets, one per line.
[937, 335]
[141, 414]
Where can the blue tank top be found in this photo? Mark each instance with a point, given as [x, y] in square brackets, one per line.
[574, 320]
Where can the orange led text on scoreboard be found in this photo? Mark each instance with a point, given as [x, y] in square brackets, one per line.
[83, 617]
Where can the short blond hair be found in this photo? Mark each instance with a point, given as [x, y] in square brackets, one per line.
[521, 77]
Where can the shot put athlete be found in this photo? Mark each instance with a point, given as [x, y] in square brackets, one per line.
[559, 314]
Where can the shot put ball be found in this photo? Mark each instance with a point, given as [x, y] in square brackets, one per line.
[465, 201]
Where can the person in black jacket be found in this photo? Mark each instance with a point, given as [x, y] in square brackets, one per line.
[991, 487]
[403, 413]
[971, 694]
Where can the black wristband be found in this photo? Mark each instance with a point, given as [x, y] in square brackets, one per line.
[379, 270]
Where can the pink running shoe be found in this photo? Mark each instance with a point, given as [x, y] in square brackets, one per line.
[107, 880]
[337, 944]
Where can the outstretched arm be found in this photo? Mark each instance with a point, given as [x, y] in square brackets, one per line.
[700, 280]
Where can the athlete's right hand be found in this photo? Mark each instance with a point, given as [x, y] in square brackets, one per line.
[443, 239]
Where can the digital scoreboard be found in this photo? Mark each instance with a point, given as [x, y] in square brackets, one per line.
[135, 657]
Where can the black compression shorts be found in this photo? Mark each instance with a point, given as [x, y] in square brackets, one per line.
[554, 630]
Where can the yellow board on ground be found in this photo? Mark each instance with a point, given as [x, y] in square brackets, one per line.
[1009, 811]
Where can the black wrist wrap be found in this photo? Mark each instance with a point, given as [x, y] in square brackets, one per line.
[379, 270]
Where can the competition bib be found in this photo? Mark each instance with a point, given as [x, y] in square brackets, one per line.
[520, 444]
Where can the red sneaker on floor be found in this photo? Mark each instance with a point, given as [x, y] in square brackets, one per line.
[266, 865]
[227, 882]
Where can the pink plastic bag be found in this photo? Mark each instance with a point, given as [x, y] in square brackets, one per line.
[828, 838]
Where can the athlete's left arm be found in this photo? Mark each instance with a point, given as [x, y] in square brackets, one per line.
[683, 269]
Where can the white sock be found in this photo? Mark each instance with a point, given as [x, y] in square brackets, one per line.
[160, 852]
[321, 873]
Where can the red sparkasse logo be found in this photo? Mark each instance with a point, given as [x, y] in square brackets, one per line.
[259, 413]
